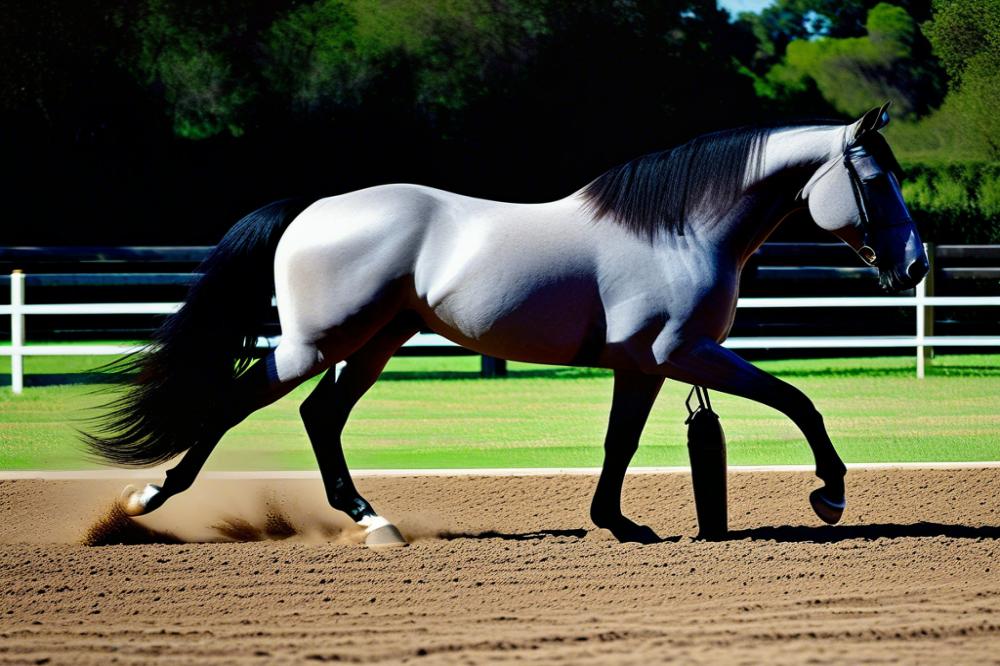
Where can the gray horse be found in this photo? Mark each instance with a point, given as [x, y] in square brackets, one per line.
[637, 272]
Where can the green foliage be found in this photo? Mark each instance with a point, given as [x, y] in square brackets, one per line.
[313, 56]
[455, 48]
[495, 83]
[323, 56]
[966, 37]
[956, 202]
[941, 136]
[851, 72]
[784, 21]
[988, 196]
[184, 49]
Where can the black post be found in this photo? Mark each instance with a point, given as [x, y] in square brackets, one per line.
[493, 367]
[707, 451]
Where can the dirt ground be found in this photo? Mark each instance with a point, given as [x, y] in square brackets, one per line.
[504, 570]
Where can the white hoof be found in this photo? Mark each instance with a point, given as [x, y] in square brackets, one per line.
[135, 501]
[380, 533]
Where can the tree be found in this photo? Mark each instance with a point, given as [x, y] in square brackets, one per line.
[889, 63]
[164, 120]
[196, 55]
[966, 37]
[785, 21]
[331, 53]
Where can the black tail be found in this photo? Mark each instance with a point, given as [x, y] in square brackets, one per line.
[177, 384]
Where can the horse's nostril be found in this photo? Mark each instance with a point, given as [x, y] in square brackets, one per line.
[917, 269]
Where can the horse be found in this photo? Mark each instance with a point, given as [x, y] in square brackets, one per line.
[637, 272]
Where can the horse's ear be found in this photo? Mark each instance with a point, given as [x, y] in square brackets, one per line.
[872, 121]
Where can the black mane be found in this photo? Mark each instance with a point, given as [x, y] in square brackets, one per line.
[655, 192]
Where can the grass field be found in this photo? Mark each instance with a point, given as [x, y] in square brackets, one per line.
[436, 412]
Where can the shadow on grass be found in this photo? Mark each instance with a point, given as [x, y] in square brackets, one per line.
[568, 373]
[391, 376]
[541, 373]
[835, 534]
[60, 379]
[934, 370]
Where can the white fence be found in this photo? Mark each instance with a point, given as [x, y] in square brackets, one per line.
[19, 309]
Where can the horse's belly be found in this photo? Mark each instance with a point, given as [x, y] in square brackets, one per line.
[552, 322]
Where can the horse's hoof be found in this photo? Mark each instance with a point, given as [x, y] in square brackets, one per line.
[384, 536]
[828, 511]
[134, 502]
[627, 531]
[130, 502]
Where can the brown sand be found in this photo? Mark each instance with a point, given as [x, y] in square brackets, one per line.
[504, 569]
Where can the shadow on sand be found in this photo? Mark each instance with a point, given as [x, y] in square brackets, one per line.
[627, 532]
[514, 536]
[634, 533]
[834, 534]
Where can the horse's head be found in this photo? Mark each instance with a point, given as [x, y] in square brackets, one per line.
[856, 196]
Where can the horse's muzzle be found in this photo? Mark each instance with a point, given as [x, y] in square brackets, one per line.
[916, 271]
[895, 280]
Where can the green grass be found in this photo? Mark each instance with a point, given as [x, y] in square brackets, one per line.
[436, 412]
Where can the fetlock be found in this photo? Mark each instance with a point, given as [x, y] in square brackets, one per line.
[602, 516]
[354, 506]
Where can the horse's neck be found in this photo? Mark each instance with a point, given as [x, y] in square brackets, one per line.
[790, 157]
[801, 148]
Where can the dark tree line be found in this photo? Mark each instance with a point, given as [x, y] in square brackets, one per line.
[162, 121]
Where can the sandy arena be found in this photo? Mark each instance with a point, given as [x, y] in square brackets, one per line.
[504, 570]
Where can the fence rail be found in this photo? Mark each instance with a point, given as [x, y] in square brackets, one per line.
[922, 340]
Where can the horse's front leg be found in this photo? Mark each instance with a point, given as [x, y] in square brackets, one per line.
[706, 363]
[634, 394]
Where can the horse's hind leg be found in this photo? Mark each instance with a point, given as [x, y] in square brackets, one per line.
[709, 364]
[325, 414]
[272, 377]
[634, 394]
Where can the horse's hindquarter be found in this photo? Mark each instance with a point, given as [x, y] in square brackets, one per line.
[349, 260]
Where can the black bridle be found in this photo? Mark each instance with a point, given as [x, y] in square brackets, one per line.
[876, 192]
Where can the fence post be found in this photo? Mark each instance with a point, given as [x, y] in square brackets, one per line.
[17, 331]
[929, 290]
[925, 314]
